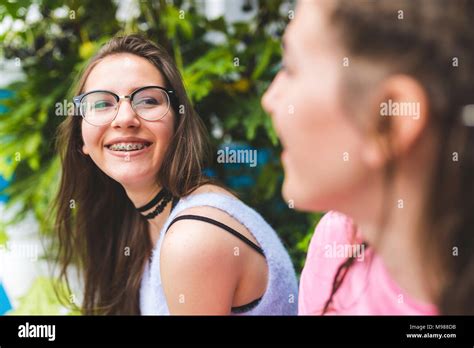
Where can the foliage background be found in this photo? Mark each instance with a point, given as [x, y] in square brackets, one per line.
[52, 50]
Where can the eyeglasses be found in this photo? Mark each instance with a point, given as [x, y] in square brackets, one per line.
[101, 107]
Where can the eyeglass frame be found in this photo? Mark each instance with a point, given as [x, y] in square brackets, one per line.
[170, 93]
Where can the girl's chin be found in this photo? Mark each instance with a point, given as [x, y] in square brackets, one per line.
[297, 196]
[131, 179]
[290, 193]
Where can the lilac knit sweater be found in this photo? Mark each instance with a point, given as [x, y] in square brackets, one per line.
[281, 295]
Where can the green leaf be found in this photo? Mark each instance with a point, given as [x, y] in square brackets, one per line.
[34, 162]
[263, 60]
[32, 143]
[3, 235]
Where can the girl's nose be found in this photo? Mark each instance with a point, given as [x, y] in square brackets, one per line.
[126, 116]
[269, 98]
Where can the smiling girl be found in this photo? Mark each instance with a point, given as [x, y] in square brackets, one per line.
[402, 240]
[148, 231]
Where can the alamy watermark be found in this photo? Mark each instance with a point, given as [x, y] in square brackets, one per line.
[403, 109]
[345, 251]
[229, 155]
[37, 331]
[65, 108]
[28, 251]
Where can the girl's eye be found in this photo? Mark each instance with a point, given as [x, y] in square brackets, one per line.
[147, 101]
[102, 104]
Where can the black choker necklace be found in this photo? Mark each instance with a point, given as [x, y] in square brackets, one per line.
[161, 200]
[159, 196]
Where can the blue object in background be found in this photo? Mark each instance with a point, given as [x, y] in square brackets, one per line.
[4, 94]
[3, 185]
[5, 304]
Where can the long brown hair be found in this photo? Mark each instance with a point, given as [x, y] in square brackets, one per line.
[430, 40]
[98, 228]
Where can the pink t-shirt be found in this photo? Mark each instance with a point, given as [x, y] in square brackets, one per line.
[367, 287]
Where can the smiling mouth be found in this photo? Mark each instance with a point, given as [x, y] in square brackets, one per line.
[128, 147]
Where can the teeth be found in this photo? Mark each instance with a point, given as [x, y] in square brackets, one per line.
[127, 146]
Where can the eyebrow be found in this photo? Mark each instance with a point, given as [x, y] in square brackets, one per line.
[130, 91]
[146, 85]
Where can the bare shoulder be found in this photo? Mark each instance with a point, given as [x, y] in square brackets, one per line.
[198, 269]
[213, 267]
[201, 242]
[202, 235]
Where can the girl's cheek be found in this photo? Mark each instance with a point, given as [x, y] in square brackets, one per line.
[90, 137]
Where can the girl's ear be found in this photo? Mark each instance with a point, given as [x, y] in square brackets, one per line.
[400, 116]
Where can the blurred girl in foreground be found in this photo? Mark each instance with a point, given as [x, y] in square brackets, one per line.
[382, 95]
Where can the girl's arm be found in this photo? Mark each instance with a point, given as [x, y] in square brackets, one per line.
[199, 270]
